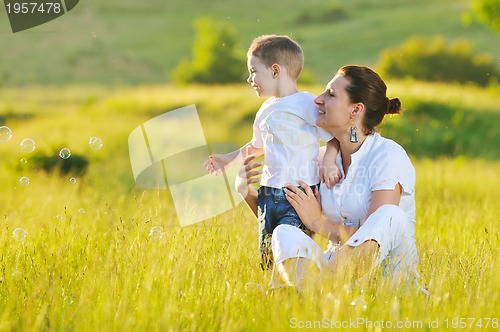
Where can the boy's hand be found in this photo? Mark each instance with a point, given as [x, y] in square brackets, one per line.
[329, 174]
[216, 163]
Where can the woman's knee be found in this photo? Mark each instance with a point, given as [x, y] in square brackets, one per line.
[279, 232]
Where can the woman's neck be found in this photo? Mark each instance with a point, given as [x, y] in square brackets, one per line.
[347, 149]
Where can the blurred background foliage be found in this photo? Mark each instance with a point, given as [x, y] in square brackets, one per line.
[488, 12]
[432, 59]
[217, 57]
[166, 41]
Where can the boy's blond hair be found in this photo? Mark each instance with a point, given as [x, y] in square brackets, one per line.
[282, 50]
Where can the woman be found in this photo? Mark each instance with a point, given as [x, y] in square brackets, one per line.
[369, 216]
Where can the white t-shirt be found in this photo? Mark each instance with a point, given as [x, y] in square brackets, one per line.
[379, 164]
[285, 128]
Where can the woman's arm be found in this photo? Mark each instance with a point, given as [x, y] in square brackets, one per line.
[309, 210]
[248, 175]
[335, 232]
[382, 197]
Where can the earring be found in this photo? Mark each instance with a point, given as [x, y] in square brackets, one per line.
[354, 135]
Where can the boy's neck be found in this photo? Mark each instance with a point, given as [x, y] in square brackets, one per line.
[286, 88]
[286, 91]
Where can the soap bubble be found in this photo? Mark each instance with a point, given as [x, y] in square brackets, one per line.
[253, 287]
[24, 181]
[28, 145]
[95, 143]
[156, 233]
[72, 180]
[24, 160]
[359, 303]
[81, 211]
[19, 234]
[5, 134]
[16, 275]
[64, 153]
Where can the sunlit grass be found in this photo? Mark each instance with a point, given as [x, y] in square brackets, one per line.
[101, 270]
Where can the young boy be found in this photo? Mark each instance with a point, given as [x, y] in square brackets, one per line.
[284, 131]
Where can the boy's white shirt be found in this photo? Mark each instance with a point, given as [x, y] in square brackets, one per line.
[285, 128]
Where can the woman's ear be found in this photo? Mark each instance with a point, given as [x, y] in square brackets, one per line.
[357, 109]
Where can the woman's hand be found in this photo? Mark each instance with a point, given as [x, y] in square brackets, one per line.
[247, 175]
[307, 205]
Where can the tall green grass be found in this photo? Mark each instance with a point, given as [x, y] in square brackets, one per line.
[100, 270]
[89, 263]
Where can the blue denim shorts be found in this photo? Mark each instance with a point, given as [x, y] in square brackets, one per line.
[274, 210]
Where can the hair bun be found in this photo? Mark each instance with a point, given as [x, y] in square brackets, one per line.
[393, 106]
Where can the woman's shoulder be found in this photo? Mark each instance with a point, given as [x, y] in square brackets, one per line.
[381, 143]
[383, 147]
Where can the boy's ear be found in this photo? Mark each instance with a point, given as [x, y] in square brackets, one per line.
[276, 68]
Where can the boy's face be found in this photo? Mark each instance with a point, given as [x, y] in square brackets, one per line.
[261, 77]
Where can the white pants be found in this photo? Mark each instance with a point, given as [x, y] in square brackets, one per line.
[389, 226]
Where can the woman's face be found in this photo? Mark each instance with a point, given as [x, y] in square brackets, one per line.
[334, 105]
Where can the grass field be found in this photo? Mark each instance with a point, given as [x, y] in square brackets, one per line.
[89, 261]
[141, 43]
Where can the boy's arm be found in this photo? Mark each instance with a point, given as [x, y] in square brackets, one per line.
[329, 173]
[249, 149]
[217, 162]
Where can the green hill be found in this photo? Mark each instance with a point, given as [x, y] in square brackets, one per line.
[131, 42]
